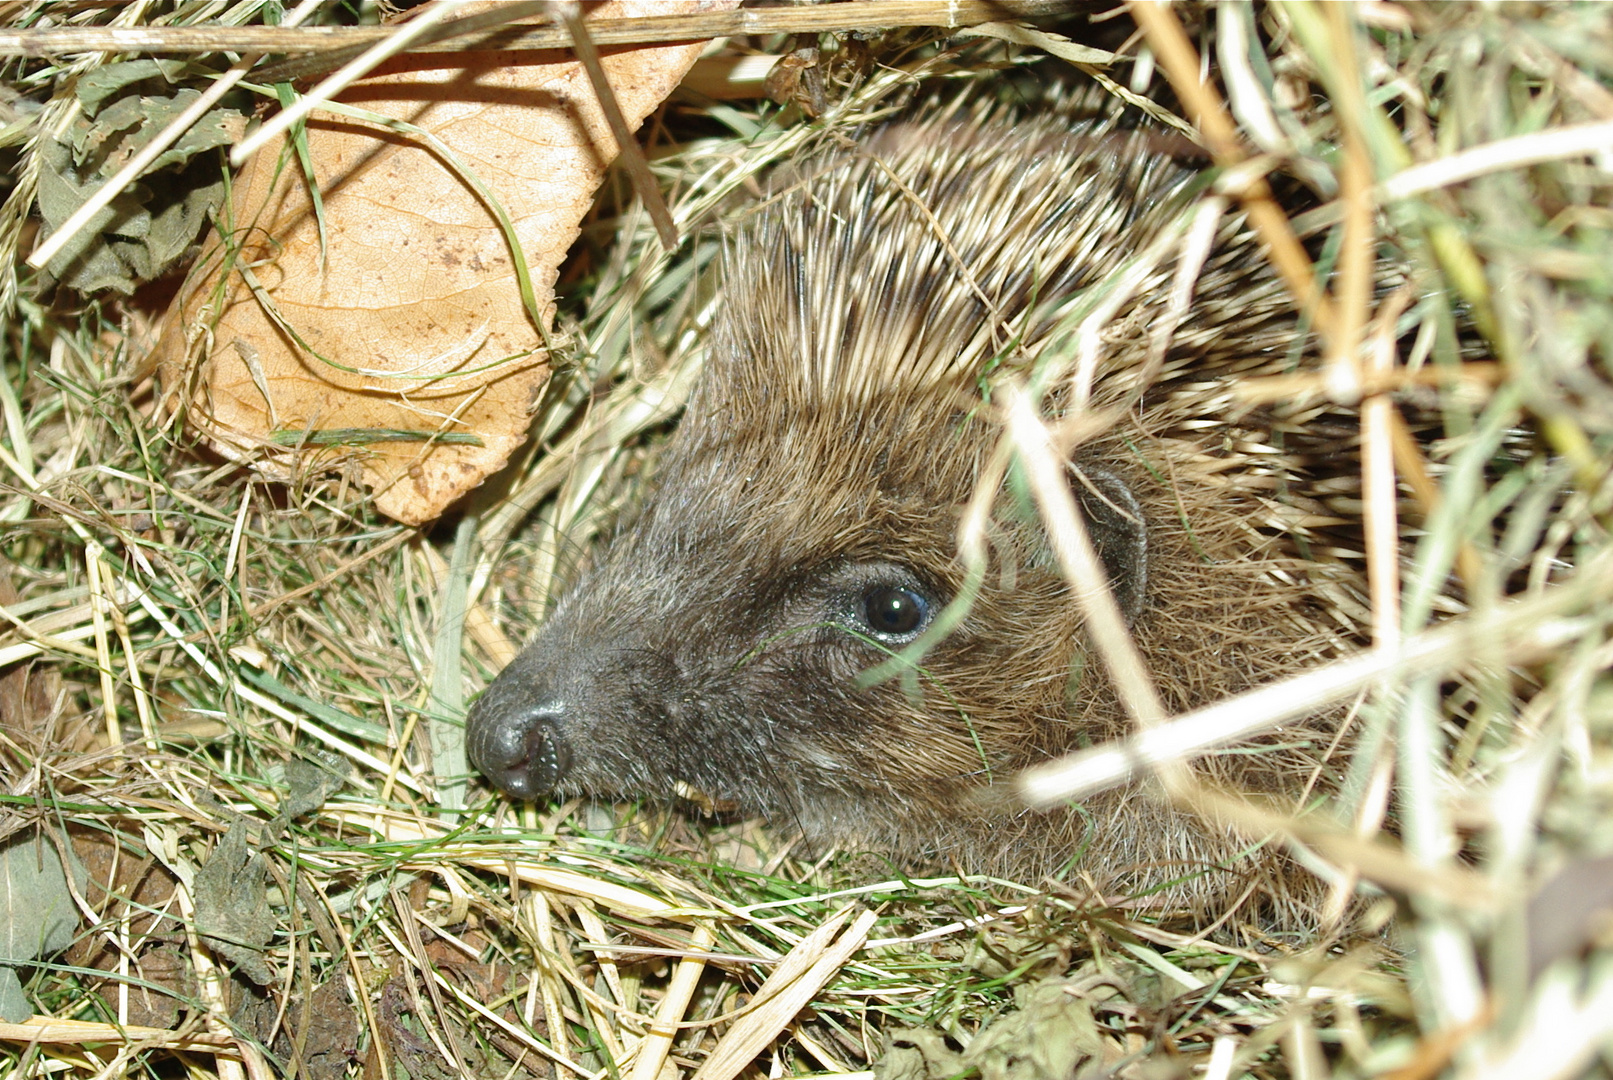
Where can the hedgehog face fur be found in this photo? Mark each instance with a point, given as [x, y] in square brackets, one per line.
[805, 524]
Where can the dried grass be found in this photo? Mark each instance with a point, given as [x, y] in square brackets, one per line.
[193, 659]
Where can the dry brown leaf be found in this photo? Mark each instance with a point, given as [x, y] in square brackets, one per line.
[122, 885]
[404, 352]
[27, 693]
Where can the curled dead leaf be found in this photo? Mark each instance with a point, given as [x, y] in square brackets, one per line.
[385, 332]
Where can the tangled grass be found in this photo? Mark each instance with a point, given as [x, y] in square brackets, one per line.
[227, 696]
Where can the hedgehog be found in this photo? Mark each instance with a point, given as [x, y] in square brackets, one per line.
[803, 524]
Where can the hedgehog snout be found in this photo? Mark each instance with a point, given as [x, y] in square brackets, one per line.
[513, 735]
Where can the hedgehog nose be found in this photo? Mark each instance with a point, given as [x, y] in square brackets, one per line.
[517, 743]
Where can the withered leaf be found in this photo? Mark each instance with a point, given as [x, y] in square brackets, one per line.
[394, 341]
[37, 913]
[149, 225]
[232, 904]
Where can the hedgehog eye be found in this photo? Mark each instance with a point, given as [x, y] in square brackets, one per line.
[893, 612]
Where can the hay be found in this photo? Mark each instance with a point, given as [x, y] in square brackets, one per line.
[222, 691]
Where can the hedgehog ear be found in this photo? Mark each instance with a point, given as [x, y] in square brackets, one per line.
[1119, 532]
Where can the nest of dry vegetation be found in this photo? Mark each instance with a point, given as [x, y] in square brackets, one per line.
[237, 702]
